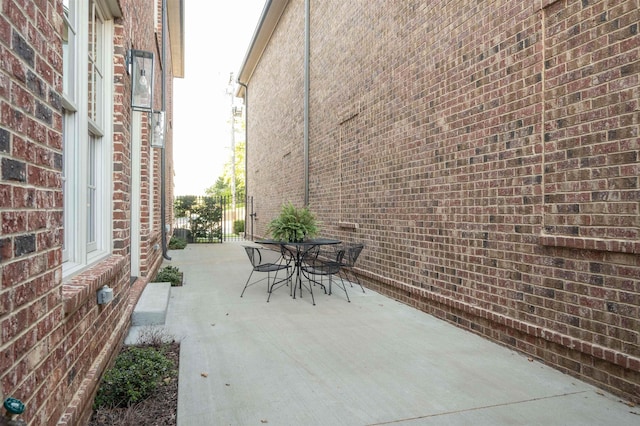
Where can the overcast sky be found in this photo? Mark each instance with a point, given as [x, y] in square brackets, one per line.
[217, 36]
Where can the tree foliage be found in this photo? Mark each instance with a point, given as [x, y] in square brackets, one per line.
[223, 184]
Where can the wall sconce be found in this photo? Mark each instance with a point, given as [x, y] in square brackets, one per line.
[159, 128]
[140, 65]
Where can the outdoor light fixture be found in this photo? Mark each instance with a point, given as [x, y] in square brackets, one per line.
[140, 66]
[159, 127]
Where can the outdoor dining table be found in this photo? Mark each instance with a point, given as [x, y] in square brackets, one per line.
[296, 251]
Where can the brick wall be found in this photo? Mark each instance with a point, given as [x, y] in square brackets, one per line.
[488, 154]
[31, 308]
[56, 340]
[276, 130]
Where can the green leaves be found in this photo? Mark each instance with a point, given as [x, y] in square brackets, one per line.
[136, 373]
[293, 224]
[177, 243]
[169, 274]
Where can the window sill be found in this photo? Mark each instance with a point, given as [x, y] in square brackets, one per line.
[84, 286]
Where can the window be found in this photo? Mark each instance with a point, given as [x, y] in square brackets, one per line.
[87, 50]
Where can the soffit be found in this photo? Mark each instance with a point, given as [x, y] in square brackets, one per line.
[269, 19]
[175, 23]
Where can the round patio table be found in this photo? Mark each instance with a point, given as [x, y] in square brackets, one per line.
[297, 251]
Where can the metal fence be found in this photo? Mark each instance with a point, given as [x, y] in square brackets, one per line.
[203, 219]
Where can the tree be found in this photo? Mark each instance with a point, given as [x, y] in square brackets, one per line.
[182, 205]
[222, 187]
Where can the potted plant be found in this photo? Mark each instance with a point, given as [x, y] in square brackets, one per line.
[293, 224]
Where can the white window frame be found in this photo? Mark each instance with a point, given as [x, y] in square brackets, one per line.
[151, 179]
[82, 127]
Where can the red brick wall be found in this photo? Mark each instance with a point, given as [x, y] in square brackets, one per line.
[55, 340]
[31, 310]
[276, 130]
[488, 154]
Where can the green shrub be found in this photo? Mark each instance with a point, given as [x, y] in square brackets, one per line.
[136, 373]
[238, 226]
[169, 274]
[177, 243]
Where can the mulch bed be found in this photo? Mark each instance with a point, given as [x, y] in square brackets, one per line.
[160, 409]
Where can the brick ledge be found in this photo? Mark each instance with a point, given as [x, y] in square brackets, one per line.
[594, 350]
[584, 243]
[83, 286]
[546, 3]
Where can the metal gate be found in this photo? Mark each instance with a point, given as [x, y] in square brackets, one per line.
[204, 219]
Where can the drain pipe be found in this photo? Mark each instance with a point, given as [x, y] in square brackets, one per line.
[307, 43]
[246, 154]
[163, 201]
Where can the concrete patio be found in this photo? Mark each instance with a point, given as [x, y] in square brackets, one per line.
[373, 361]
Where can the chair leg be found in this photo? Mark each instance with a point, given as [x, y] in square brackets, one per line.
[270, 287]
[275, 281]
[354, 277]
[246, 284]
[270, 290]
[343, 287]
[313, 300]
[310, 281]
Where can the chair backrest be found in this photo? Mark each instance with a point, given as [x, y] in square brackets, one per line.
[254, 255]
[318, 255]
[311, 254]
[351, 254]
[260, 256]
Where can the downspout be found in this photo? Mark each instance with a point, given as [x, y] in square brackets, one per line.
[246, 156]
[307, 43]
[163, 202]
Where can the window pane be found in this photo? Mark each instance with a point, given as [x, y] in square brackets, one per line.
[95, 65]
[67, 129]
[69, 35]
[92, 51]
[91, 193]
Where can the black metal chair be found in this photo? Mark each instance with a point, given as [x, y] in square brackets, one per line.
[265, 260]
[323, 263]
[351, 253]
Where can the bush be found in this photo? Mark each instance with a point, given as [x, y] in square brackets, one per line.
[137, 372]
[169, 274]
[177, 243]
[238, 226]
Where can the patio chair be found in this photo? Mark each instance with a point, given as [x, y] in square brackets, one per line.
[265, 260]
[351, 253]
[324, 263]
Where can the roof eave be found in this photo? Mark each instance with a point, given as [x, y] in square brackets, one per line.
[271, 14]
[175, 23]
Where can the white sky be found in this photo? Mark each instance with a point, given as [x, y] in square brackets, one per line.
[217, 36]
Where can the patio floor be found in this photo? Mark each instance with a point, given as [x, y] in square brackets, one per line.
[373, 361]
